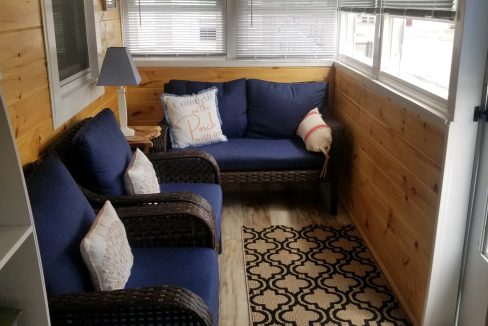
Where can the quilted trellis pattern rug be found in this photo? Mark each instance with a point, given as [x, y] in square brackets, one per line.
[316, 275]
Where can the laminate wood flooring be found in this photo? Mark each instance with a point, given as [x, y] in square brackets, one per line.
[259, 206]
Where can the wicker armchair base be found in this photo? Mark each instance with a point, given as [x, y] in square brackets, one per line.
[164, 305]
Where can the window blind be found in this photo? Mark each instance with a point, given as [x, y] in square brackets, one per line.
[359, 5]
[174, 27]
[285, 29]
[432, 8]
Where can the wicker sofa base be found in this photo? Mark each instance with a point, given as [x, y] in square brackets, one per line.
[269, 176]
[286, 176]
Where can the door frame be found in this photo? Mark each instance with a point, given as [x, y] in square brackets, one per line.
[470, 50]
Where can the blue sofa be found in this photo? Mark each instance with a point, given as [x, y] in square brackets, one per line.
[167, 285]
[260, 119]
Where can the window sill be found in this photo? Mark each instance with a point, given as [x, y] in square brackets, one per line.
[222, 62]
[429, 112]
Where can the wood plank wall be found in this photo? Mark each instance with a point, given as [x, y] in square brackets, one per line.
[25, 80]
[391, 183]
[144, 106]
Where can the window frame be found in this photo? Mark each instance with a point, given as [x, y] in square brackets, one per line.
[73, 94]
[370, 71]
[229, 59]
[426, 97]
[421, 95]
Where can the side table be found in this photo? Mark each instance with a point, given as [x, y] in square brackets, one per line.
[143, 137]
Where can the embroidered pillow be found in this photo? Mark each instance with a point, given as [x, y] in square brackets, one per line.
[140, 177]
[106, 251]
[193, 120]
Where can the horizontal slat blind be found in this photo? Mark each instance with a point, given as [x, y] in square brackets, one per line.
[419, 4]
[357, 3]
[433, 8]
[285, 29]
[416, 8]
[174, 27]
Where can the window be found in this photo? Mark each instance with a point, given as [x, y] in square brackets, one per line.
[71, 41]
[242, 29]
[285, 28]
[71, 45]
[357, 36]
[174, 27]
[418, 51]
[409, 47]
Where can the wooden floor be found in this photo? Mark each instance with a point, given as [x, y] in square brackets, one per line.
[256, 206]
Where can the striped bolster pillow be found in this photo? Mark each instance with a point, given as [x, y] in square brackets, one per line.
[316, 135]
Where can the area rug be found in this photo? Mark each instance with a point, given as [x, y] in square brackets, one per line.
[317, 275]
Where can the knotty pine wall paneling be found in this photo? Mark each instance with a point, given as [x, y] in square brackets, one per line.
[144, 106]
[391, 183]
[25, 79]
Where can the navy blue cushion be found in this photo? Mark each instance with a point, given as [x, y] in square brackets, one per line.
[62, 217]
[231, 97]
[100, 155]
[209, 191]
[195, 269]
[249, 154]
[276, 109]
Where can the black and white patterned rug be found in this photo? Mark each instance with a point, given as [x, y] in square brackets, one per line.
[317, 275]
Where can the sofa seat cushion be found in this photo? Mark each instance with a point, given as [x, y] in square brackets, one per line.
[249, 154]
[195, 269]
[100, 155]
[62, 217]
[212, 193]
[276, 109]
[231, 98]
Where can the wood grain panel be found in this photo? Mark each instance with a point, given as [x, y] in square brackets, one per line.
[396, 261]
[391, 182]
[110, 30]
[415, 129]
[19, 14]
[25, 80]
[143, 101]
[22, 82]
[21, 47]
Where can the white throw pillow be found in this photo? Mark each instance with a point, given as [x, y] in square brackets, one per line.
[140, 177]
[194, 120]
[106, 251]
[315, 133]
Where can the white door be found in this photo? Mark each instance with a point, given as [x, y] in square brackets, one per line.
[473, 304]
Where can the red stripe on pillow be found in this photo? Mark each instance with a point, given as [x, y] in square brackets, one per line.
[314, 129]
[310, 113]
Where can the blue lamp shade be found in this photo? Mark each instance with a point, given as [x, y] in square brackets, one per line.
[118, 69]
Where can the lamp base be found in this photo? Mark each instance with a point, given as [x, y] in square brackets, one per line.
[127, 131]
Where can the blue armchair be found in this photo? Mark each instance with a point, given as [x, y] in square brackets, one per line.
[167, 286]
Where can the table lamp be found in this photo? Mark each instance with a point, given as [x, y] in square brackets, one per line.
[118, 69]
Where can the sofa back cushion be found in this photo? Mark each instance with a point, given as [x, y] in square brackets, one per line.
[231, 97]
[100, 155]
[276, 109]
[62, 217]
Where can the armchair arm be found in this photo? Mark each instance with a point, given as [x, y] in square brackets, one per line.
[185, 166]
[168, 225]
[160, 144]
[140, 306]
[97, 200]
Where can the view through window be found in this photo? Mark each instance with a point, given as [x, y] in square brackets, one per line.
[415, 44]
